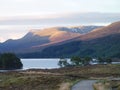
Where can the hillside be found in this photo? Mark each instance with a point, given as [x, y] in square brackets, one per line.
[104, 42]
[55, 34]
[113, 28]
[37, 40]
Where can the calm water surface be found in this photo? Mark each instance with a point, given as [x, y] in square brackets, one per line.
[40, 63]
[44, 63]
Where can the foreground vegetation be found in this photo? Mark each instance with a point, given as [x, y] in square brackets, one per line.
[107, 84]
[54, 79]
[34, 81]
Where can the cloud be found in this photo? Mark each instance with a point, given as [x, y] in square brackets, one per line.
[15, 31]
[12, 35]
[69, 18]
[17, 26]
[1, 39]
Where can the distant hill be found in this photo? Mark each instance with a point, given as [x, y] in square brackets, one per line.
[102, 42]
[37, 40]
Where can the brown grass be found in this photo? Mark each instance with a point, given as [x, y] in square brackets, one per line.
[54, 79]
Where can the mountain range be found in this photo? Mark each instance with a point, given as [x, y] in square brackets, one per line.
[95, 41]
[41, 38]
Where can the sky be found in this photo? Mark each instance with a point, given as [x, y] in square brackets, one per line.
[17, 17]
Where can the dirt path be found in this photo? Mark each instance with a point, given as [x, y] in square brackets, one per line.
[64, 86]
[84, 85]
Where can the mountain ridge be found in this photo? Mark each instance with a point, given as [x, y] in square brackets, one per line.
[67, 42]
[40, 38]
[103, 42]
[103, 31]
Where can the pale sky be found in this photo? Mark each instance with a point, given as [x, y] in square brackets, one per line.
[17, 17]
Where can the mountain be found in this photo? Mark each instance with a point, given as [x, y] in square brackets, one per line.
[113, 28]
[79, 29]
[27, 41]
[37, 40]
[101, 42]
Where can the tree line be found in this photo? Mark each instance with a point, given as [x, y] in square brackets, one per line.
[78, 61]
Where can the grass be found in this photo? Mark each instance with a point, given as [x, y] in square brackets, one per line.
[91, 71]
[107, 84]
[45, 79]
[32, 81]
